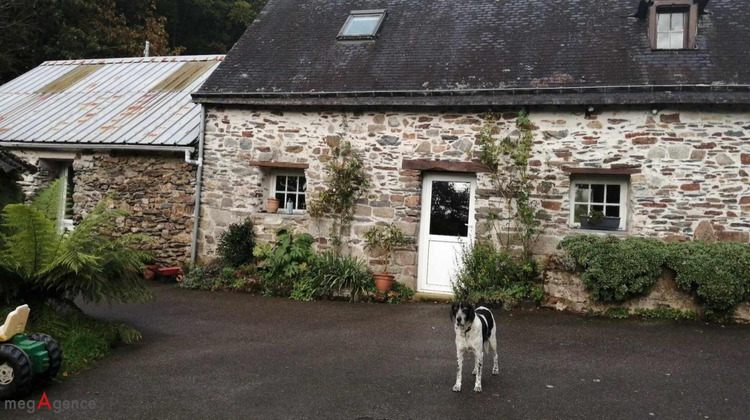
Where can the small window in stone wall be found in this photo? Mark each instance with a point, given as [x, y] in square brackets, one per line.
[290, 187]
[68, 186]
[599, 203]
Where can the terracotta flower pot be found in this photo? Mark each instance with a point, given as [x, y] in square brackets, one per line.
[273, 205]
[383, 282]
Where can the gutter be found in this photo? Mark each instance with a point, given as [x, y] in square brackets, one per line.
[198, 186]
[95, 146]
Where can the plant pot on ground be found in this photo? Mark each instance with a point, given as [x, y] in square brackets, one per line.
[385, 238]
[598, 221]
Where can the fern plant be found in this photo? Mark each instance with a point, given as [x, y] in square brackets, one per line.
[40, 265]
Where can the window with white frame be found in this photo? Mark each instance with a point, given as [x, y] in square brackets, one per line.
[671, 26]
[599, 198]
[290, 186]
[66, 196]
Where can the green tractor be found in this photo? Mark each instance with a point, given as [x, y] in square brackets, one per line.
[25, 360]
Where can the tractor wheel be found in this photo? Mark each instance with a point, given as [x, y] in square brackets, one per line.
[15, 372]
[54, 352]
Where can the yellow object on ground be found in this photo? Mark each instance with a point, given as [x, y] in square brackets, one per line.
[15, 323]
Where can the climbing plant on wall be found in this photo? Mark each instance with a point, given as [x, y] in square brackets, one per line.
[347, 182]
[507, 160]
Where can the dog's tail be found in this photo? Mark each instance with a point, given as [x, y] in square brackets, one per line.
[486, 347]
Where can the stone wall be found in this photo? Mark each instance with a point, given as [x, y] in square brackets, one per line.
[158, 190]
[566, 292]
[692, 182]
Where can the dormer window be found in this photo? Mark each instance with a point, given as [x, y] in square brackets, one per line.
[673, 24]
[670, 29]
[362, 24]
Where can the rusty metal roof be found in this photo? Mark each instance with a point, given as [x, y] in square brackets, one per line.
[125, 101]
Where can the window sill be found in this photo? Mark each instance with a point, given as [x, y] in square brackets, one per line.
[598, 231]
[282, 213]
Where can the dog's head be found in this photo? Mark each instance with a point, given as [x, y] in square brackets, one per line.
[462, 314]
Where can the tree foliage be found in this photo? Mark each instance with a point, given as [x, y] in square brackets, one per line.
[33, 31]
[40, 265]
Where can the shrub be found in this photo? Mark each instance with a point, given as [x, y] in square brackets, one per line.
[236, 244]
[386, 238]
[216, 276]
[335, 274]
[492, 276]
[718, 274]
[399, 293]
[615, 270]
[285, 262]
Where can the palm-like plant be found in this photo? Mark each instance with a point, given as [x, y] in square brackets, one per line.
[40, 265]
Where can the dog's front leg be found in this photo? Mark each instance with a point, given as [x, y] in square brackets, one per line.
[478, 357]
[460, 357]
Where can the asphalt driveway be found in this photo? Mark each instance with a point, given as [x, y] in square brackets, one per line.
[222, 355]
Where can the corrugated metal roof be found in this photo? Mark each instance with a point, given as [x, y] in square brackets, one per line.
[124, 101]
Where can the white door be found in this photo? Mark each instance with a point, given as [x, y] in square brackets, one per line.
[446, 226]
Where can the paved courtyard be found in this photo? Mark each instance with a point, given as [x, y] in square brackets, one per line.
[222, 355]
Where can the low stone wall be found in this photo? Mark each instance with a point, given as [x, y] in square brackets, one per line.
[566, 292]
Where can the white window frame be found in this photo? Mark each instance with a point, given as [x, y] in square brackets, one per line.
[65, 224]
[600, 180]
[282, 206]
[354, 14]
[682, 32]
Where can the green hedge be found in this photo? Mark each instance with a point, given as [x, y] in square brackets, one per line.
[615, 270]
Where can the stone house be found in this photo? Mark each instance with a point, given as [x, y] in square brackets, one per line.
[639, 111]
[124, 128]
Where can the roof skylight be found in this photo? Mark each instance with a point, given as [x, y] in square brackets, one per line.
[362, 24]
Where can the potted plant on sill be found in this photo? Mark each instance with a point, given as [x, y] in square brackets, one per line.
[385, 238]
[273, 205]
[598, 221]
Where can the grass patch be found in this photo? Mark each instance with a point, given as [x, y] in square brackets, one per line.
[83, 339]
[667, 313]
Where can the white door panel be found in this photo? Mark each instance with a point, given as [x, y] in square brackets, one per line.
[446, 226]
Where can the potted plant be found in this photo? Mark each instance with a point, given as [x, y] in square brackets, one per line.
[385, 238]
[273, 205]
[598, 221]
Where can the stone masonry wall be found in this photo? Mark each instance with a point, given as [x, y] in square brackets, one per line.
[693, 180]
[157, 190]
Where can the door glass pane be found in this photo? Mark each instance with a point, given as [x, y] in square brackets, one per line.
[597, 193]
[580, 210]
[612, 211]
[449, 212]
[613, 194]
[582, 193]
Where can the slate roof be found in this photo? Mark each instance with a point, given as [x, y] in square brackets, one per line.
[443, 52]
[129, 102]
[10, 162]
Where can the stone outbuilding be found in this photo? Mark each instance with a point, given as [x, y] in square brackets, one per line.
[124, 128]
[639, 111]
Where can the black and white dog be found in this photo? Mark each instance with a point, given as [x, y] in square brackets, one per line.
[475, 332]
